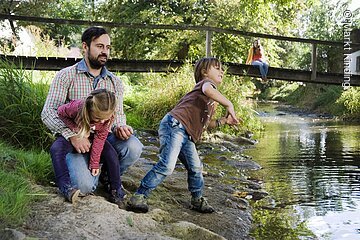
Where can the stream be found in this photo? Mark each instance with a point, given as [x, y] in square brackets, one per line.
[310, 168]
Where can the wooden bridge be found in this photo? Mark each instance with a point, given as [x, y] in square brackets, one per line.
[313, 76]
[121, 65]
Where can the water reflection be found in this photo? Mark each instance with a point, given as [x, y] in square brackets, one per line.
[314, 164]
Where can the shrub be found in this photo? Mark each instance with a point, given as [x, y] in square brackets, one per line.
[350, 99]
[156, 94]
[21, 104]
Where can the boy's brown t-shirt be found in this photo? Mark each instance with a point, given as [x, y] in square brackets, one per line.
[195, 110]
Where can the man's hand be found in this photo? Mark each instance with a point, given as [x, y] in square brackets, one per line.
[124, 132]
[81, 145]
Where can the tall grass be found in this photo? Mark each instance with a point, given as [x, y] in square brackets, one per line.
[21, 103]
[156, 94]
[239, 91]
[19, 171]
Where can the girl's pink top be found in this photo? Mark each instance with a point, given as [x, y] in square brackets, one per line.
[68, 113]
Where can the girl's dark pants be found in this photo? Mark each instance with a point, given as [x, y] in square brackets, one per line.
[61, 147]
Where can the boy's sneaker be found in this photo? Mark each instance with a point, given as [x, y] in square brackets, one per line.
[72, 195]
[138, 203]
[118, 200]
[201, 205]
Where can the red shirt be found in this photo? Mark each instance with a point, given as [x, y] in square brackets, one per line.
[257, 54]
[68, 113]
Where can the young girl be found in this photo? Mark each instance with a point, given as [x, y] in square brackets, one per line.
[180, 129]
[90, 118]
[256, 57]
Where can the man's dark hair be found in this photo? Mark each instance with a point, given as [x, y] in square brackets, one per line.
[91, 34]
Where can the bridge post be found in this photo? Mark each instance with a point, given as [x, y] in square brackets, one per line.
[208, 43]
[313, 61]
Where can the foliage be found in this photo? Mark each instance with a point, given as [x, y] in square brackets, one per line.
[156, 94]
[237, 90]
[350, 99]
[20, 108]
[19, 170]
[67, 9]
[322, 22]
[321, 98]
[254, 16]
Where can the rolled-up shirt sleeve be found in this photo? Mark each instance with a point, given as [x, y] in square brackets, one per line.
[120, 117]
[56, 97]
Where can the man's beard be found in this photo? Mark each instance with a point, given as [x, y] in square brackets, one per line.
[95, 63]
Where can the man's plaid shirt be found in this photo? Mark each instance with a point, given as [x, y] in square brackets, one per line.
[75, 82]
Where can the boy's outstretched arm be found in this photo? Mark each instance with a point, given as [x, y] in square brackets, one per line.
[214, 94]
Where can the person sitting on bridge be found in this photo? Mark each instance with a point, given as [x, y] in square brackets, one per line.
[256, 57]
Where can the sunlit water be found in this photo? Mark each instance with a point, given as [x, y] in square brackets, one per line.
[312, 165]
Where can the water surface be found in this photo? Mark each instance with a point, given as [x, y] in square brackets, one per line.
[311, 171]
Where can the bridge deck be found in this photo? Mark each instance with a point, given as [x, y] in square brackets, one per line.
[55, 64]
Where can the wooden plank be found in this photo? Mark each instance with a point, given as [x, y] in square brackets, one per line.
[291, 75]
[120, 65]
[170, 27]
[55, 64]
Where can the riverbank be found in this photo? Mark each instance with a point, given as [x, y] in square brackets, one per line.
[93, 217]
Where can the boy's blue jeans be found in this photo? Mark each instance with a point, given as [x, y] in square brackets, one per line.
[174, 143]
[128, 152]
[263, 66]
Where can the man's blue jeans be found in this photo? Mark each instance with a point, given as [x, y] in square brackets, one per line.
[263, 66]
[128, 151]
[174, 143]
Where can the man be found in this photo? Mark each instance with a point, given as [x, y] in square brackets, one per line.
[76, 82]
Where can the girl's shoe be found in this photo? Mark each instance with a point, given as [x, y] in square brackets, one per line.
[116, 198]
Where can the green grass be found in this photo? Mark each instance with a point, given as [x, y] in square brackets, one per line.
[156, 94]
[20, 171]
[21, 104]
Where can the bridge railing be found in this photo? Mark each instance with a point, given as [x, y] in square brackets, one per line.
[208, 29]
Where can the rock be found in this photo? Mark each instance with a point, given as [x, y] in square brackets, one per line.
[12, 234]
[239, 203]
[160, 215]
[187, 230]
[245, 164]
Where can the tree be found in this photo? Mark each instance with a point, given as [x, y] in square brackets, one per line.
[323, 21]
[257, 16]
[67, 9]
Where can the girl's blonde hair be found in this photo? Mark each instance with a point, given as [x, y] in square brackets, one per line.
[203, 65]
[100, 104]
